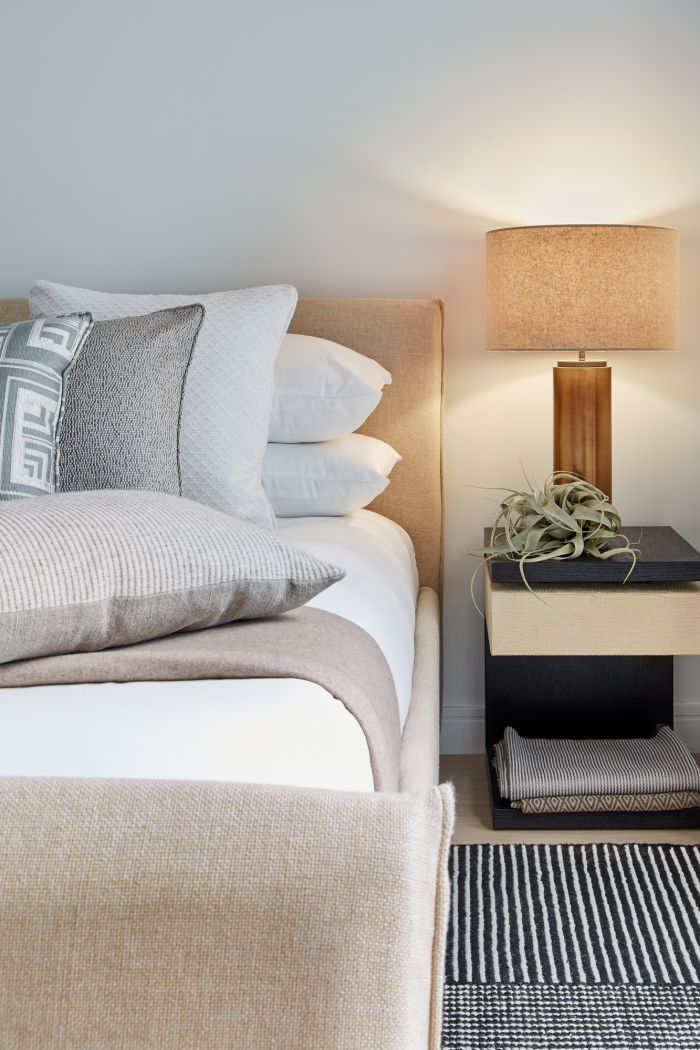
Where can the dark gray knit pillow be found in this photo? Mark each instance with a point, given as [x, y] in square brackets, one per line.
[121, 418]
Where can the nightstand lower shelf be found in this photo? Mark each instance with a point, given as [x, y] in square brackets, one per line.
[578, 696]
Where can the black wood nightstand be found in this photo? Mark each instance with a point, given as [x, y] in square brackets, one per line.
[594, 658]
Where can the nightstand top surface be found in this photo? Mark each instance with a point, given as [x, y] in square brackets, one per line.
[665, 558]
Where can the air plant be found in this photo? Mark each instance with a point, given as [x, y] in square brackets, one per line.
[568, 517]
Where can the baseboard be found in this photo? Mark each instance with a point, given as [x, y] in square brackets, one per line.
[463, 727]
[687, 723]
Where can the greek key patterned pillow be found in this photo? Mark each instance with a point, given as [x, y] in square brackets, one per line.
[35, 357]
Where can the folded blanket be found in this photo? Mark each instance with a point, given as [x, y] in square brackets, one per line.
[662, 801]
[307, 643]
[542, 768]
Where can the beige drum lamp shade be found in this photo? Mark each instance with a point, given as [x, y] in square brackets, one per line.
[582, 288]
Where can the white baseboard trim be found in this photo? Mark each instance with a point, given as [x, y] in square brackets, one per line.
[686, 719]
[463, 727]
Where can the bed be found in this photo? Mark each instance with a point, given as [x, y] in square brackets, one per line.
[93, 763]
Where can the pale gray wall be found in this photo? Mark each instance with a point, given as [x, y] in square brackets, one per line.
[363, 149]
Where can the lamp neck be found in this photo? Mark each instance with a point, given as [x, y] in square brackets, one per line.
[581, 362]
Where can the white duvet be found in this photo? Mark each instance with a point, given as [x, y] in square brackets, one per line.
[276, 731]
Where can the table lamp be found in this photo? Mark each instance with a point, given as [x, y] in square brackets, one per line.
[582, 288]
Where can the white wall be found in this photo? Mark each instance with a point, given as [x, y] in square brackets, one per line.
[363, 149]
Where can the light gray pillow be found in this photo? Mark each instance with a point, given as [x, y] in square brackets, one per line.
[122, 405]
[92, 570]
[35, 357]
[228, 394]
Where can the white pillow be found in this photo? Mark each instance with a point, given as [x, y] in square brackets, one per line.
[228, 391]
[327, 477]
[322, 390]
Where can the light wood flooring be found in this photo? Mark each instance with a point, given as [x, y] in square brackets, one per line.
[468, 774]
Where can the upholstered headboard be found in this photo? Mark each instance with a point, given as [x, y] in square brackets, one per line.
[404, 335]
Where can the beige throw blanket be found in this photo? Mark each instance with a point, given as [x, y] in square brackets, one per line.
[310, 644]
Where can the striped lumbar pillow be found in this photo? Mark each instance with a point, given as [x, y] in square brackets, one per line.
[85, 571]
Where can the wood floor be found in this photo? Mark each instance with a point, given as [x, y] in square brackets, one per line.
[468, 774]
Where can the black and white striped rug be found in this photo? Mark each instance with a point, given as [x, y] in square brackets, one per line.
[573, 948]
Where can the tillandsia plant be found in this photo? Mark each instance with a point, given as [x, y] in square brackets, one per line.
[564, 519]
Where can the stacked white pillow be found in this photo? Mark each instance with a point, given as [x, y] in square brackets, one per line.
[322, 390]
[315, 463]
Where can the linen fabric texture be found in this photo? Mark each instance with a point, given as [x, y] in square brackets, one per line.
[204, 887]
[327, 477]
[227, 398]
[35, 358]
[121, 421]
[322, 390]
[86, 570]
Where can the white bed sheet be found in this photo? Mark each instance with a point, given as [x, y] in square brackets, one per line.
[280, 731]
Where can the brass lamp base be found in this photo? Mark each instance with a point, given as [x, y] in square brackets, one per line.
[582, 421]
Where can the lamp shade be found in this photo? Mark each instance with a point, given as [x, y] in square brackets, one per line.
[582, 288]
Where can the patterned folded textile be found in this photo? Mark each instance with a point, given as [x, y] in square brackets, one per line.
[663, 800]
[530, 768]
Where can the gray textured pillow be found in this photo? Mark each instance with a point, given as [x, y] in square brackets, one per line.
[228, 394]
[35, 357]
[121, 418]
[92, 570]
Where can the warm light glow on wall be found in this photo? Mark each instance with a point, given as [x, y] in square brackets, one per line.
[531, 147]
[512, 186]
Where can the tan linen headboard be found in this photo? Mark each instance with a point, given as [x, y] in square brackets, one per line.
[404, 335]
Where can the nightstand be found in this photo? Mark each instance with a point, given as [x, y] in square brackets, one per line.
[593, 658]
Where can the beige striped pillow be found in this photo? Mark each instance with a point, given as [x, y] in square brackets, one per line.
[83, 571]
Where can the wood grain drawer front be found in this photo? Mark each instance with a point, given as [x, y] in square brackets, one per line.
[588, 620]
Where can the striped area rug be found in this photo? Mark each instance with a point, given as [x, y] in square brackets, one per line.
[574, 948]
